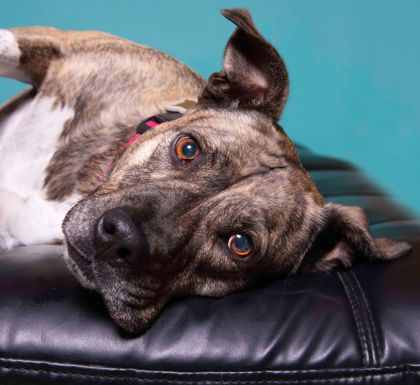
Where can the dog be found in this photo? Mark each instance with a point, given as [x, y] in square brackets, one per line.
[212, 201]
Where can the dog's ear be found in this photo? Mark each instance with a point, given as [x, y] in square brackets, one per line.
[253, 75]
[344, 237]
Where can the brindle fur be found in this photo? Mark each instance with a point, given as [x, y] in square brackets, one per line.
[111, 83]
[247, 179]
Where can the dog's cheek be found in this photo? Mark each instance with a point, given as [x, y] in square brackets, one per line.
[219, 288]
[210, 275]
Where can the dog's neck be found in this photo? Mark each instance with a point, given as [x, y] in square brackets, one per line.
[155, 120]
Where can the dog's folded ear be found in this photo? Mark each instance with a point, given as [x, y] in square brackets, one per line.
[253, 75]
[344, 237]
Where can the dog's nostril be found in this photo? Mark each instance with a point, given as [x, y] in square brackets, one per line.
[123, 252]
[110, 228]
[118, 239]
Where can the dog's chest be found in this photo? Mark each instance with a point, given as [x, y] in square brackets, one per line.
[28, 140]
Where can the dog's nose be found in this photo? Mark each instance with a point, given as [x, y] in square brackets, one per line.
[119, 240]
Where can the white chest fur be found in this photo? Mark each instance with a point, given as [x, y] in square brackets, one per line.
[28, 139]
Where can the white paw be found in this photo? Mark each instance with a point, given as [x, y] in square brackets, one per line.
[30, 221]
[7, 242]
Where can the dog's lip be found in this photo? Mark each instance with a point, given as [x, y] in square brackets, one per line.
[75, 251]
[118, 262]
[144, 293]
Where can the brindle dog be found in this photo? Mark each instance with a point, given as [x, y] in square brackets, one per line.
[207, 204]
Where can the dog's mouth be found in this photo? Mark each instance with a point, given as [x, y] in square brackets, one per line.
[132, 295]
[80, 265]
[111, 255]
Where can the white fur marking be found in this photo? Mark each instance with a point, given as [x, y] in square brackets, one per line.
[141, 155]
[28, 140]
[33, 220]
[9, 57]
[9, 49]
[146, 150]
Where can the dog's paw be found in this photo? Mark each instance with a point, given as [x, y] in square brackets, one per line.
[7, 242]
[31, 220]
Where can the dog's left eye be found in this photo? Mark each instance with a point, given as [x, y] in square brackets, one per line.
[240, 244]
[187, 149]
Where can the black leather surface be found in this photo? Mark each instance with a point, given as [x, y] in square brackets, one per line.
[348, 327]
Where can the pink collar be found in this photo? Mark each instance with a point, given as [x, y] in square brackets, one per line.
[144, 126]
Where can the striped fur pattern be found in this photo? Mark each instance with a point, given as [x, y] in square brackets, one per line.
[246, 179]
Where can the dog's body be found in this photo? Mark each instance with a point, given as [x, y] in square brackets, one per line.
[75, 121]
[212, 202]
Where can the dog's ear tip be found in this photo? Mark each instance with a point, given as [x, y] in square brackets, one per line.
[344, 238]
[228, 12]
[391, 248]
[254, 75]
[237, 15]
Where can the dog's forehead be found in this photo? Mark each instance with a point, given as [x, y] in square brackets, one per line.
[267, 197]
[229, 128]
[222, 129]
[228, 124]
[247, 140]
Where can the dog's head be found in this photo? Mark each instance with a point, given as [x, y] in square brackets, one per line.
[213, 202]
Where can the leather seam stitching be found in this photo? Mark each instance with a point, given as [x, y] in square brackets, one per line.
[250, 381]
[356, 316]
[375, 344]
[397, 368]
[364, 318]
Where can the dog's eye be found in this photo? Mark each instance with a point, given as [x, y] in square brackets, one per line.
[187, 149]
[240, 244]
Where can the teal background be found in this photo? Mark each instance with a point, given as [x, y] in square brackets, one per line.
[354, 66]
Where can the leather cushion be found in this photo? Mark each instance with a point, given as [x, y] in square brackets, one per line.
[349, 327]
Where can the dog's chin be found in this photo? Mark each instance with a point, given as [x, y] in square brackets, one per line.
[131, 317]
[133, 306]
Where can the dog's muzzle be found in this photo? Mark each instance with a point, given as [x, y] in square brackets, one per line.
[119, 241]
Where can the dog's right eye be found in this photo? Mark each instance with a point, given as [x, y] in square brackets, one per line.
[187, 149]
[240, 245]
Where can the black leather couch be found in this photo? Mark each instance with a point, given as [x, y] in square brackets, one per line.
[360, 326]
